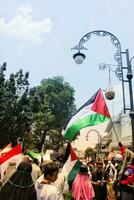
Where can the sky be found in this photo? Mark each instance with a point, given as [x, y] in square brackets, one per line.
[37, 36]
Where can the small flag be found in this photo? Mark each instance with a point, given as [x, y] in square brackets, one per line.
[72, 165]
[14, 155]
[92, 113]
[39, 156]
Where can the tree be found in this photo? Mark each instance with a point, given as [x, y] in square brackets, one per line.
[56, 139]
[88, 152]
[43, 117]
[54, 105]
[16, 116]
[60, 96]
[46, 107]
[31, 140]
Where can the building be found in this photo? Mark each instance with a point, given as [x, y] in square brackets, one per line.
[119, 129]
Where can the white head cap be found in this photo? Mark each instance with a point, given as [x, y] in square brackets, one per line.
[118, 157]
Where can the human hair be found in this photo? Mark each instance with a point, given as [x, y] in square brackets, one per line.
[26, 158]
[83, 169]
[35, 161]
[20, 185]
[120, 144]
[43, 165]
[49, 169]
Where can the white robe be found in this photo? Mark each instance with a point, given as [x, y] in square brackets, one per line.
[62, 185]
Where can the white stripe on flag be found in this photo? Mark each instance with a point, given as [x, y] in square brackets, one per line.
[81, 114]
[68, 166]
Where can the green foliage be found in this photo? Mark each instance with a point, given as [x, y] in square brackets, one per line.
[56, 139]
[60, 96]
[15, 113]
[44, 109]
[54, 104]
[68, 196]
[31, 140]
[88, 152]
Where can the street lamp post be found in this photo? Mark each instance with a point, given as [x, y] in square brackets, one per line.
[99, 139]
[119, 72]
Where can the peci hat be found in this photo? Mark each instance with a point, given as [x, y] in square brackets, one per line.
[118, 157]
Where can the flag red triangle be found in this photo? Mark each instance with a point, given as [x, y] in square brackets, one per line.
[72, 154]
[99, 106]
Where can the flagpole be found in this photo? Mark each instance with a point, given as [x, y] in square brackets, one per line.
[112, 123]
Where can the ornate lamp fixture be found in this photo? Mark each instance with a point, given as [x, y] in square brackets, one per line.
[79, 58]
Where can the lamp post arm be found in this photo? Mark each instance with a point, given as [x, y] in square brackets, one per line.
[115, 42]
[101, 33]
[99, 139]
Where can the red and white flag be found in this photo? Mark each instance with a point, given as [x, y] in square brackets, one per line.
[14, 155]
[5, 150]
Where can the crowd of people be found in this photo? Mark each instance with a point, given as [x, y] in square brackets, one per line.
[108, 181]
[104, 179]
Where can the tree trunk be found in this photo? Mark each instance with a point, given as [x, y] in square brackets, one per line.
[41, 145]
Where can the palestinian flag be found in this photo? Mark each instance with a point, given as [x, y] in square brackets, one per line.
[92, 113]
[72, 165]
[14, 155]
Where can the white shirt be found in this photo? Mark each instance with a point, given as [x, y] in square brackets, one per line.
[62, 185]
[45, 191]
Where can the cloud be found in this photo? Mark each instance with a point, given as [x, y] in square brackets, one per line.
[23, 27]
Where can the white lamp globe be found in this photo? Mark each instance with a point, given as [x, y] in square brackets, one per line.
[79, 58]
